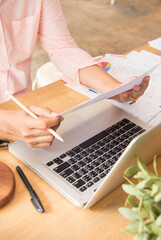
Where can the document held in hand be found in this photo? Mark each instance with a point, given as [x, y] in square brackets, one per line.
[112, 93]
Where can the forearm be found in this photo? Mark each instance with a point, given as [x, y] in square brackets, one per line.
[95, 77]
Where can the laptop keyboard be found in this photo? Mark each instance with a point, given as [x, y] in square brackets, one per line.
[90, 161]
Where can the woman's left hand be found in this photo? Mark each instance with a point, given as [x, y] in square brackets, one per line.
[133, 94]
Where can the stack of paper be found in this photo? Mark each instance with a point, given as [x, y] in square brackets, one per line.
[155, 43]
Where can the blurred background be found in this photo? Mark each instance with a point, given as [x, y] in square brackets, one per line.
[99, 27]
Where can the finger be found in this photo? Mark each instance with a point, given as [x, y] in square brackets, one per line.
[40, 141]
[44, 123]
[145, 83]
[138, 90]
[130, 79]
[146, 79]
[135, 93]
[123, 97]
[32, 133]
[42, 112]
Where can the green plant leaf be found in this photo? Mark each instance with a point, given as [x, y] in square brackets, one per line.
[132, 190]
[156, 229]
[128, 180]
[141, 175]
[132, 227]
[154, 190]
[143, 167]
[158, 220]
[147, 183]
[131, 201]
[131, 170]
[157, 197]
[142, 236]
[128, 213]
[140, 204]
[155, 165]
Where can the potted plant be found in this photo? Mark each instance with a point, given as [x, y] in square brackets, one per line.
[143, 204]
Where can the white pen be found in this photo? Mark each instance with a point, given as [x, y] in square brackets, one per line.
[32, 115]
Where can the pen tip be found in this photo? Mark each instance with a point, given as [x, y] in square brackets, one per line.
[61, 139]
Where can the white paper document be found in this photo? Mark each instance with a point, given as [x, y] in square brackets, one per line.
[122, 68]
[112, 93]
[155, 43]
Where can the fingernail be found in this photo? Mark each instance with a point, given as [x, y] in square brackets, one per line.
[147, 78]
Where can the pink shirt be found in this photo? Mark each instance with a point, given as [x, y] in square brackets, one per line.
[21, 21]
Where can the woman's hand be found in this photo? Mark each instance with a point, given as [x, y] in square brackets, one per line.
[133, 94]
[32, 131]
[95, 77]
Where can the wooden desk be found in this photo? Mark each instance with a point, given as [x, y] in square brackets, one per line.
[61, 220]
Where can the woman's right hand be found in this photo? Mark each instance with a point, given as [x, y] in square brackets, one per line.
[32, 131]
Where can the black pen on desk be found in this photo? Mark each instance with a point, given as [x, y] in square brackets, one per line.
[132, 102]
[34, 198]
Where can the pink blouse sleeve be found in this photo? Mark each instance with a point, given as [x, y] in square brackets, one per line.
[55, 38]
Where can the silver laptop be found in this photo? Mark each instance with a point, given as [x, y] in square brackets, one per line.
[100, 142]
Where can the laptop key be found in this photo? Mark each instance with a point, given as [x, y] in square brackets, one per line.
[93, 174]
[96, 146]
[99, 152]
[87, 159]
[105, 165]
[102, 175]
[136, 129]
[70, 153]
[78, 183]
[83, 171]
[81, 163]
[107, 170]
[70, 179]
[61, 167]
[75, 167]
[77, 149]
[58, 160]
[78, 157]
[129, 126]
[77, 175]
[72, 161]
[84, 153]
[86, 178]
[125, 120]
[96, 179]
[89, 184]
[89, 167]
[63, 155]
[93, 140]
[50, 163]
[66, 173]
[95, 163]
[102, 159]
[90, 149]
[93, 156]
[82, 189]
